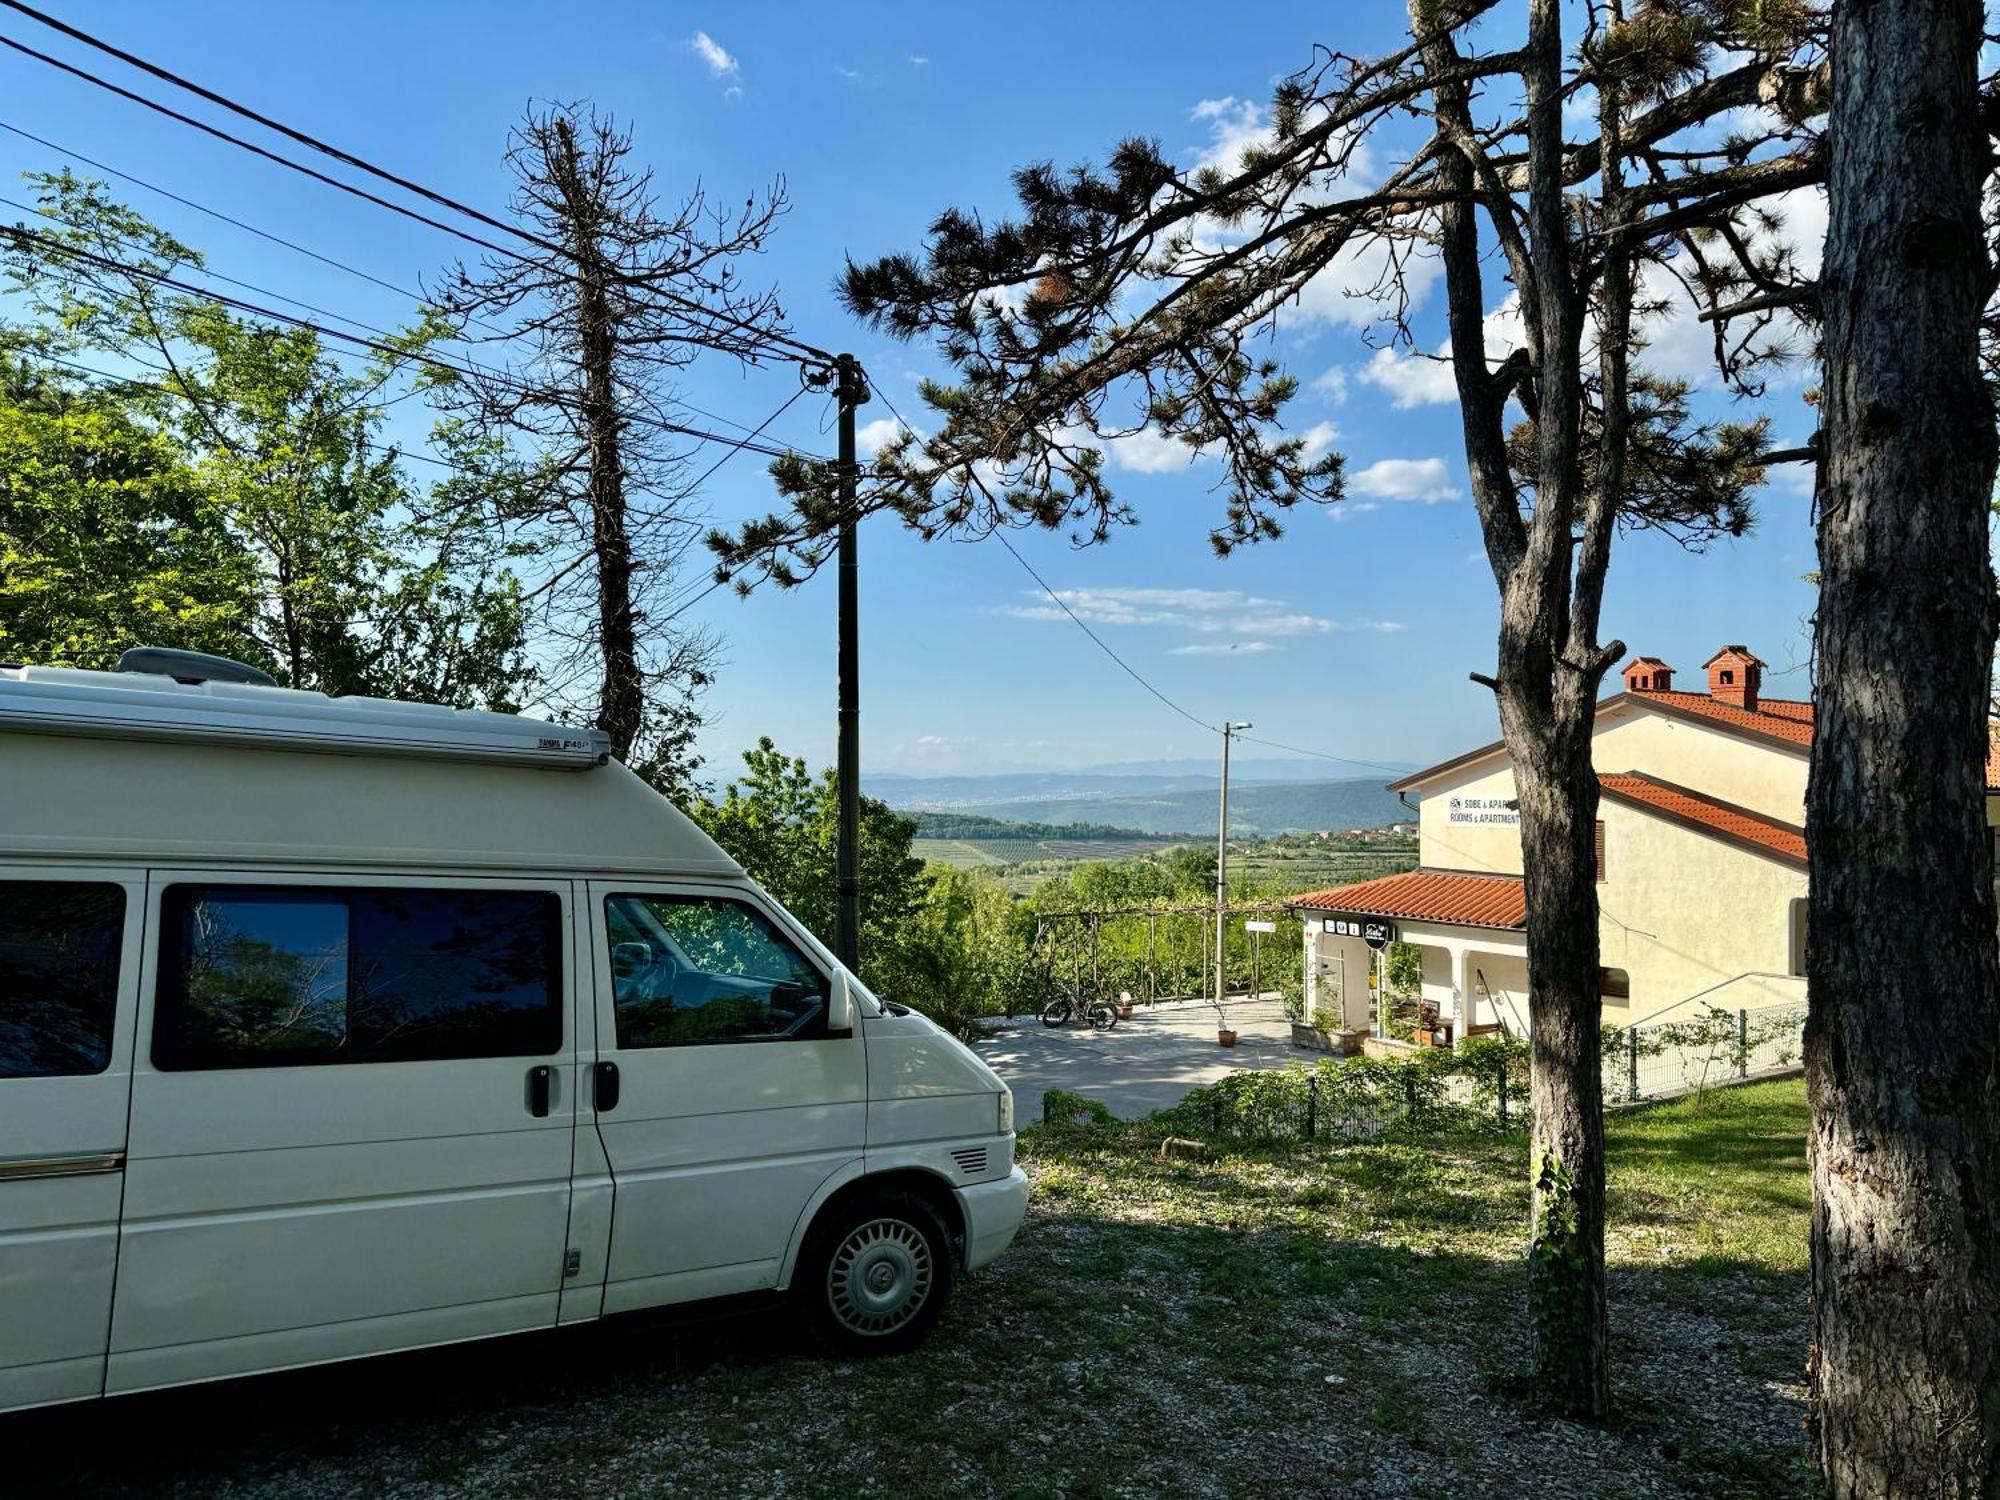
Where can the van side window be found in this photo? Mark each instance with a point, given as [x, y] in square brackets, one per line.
[686, 970]
[59, 945]
[278, 976]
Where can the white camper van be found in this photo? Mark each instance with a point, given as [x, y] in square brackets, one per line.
[333, 1026]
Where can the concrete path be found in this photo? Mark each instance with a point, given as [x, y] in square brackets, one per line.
[1142, 1064]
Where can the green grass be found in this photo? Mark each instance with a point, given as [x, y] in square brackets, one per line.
[1332, 1319]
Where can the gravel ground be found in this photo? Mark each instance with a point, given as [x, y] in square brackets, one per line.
[1340, 1321]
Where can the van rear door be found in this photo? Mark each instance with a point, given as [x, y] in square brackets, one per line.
[69, 949]
[352, 1118]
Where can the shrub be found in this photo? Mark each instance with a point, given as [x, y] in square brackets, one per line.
[1062, 1110]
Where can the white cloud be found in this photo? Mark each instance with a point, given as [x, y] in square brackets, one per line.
[1320, 438]
[1234, 126]
[1354, 290]
[1150, 451]
[1410, 379]
[1427, 379]
[1347, 510]
[1224, 648]
[1333, 384]
[870, 438]
[1208, 612]
[843, 71]
[918, 60]
[1420, 479]
[720, 63]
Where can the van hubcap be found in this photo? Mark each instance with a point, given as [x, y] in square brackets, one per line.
[880, 1276]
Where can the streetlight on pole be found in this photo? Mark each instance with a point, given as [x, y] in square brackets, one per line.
[1222, 868]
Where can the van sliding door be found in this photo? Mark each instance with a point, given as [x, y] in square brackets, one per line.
[69, 951]
[352, 1118]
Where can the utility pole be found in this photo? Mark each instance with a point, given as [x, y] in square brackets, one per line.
[1222, 868]
[851, 390]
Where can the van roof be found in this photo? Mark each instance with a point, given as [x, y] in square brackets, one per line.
[150, 705]
[138, 767]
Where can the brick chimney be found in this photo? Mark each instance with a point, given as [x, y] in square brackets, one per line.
[1648, 674]
[1734, 676]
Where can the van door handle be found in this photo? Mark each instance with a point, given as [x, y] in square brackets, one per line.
[540, 1077]
[605, 1077]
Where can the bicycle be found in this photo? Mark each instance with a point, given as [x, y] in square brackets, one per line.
[1101, 1014]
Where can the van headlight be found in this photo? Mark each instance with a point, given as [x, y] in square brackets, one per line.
[1006, 1111]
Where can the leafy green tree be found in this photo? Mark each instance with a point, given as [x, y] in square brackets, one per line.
[289, 535]
[107, 536]
[779, 821]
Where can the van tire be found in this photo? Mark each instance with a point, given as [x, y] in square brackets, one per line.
[875, 1275]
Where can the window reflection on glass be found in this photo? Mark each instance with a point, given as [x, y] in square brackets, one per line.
[452, 973]
[692, 969]
[265, 976]
[264, 972]
[59, 945]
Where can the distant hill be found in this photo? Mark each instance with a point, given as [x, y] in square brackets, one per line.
[951, 793]
[1255, 808]
[960, 825]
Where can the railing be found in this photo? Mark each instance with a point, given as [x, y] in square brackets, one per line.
[1721, 1044]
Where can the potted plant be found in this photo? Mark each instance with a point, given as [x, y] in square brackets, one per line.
[1124, 1005]
[1428, 1031]
[1225, 1036]
[1224, 1033]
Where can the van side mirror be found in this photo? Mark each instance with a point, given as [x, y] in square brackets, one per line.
[840, 1006]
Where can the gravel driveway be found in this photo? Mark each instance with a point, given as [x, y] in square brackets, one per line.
[1143, 1064]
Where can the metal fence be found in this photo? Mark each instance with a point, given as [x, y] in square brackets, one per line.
[1684, 1056]
[1482, 1085]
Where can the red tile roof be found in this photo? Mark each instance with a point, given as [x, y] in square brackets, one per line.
[1738, 825]
[1775, 718]
[1429, 895]
[1785, 721]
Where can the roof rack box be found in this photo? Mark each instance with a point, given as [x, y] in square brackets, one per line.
[145, 706]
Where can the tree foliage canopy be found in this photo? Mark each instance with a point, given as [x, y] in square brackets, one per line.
[237, 494]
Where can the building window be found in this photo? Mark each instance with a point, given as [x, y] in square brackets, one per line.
[1614, 986]
[59, 943]
[1597, 845]
[692, 970]
[1798, 933]
[282, 976]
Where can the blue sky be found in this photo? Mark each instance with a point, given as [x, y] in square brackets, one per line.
[1352, 635]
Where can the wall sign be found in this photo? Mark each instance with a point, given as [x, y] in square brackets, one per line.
[1483, 812]
[1376, 932]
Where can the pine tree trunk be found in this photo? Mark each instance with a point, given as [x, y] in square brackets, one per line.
[1547, 712]
[1904, 1027]
[622, 692]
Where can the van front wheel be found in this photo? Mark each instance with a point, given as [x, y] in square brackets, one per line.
[876, 1275]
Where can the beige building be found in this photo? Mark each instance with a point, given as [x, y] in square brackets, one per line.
[1701, 866]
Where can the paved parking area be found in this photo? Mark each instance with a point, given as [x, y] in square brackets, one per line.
[1142, 1064]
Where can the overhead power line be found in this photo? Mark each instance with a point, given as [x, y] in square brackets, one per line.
[1077, 620]
[798, 346]
[1123, 665]
[415, 296]
[1345, 760]
[380, 346]
[106, 378]
[217, 214]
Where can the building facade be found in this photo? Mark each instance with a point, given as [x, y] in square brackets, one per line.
[1701, 873]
